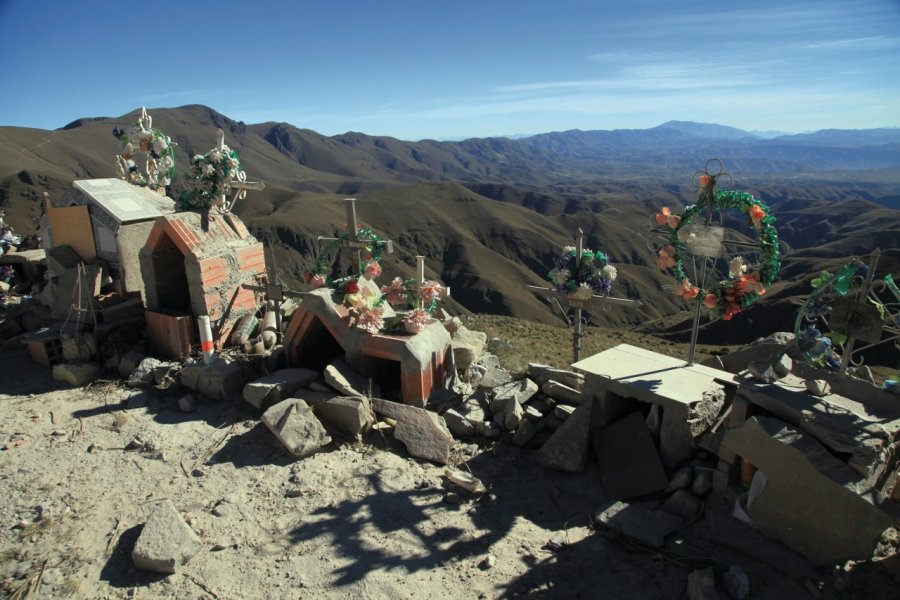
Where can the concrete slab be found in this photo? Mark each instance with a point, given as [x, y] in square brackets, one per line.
[633, 372]
[645, 525]
[567, 448]
[629, 464]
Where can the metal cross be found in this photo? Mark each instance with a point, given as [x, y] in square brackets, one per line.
[564, 301]
[353, 239]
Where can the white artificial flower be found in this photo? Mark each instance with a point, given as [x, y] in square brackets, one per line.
[560, 276]
[610, 273]
[568, 249]
[584, 292]
[737, 267]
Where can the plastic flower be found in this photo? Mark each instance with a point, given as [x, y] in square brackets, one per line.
[432, 290]
[737, 267]
[666, 258]
[373, 270]
[710, 301]
[415, 320]
[757, 214]
[751, 283]
[582, 292]
[610, 273]
[687, 290]
[371, 320]
[560, 276]
[396, 293]
[665, 217]
[317, 280]
[704, 181]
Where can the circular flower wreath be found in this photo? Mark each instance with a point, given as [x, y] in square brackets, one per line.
[210, 177]
[160, 163]
[366, 302]
[593, 275]
[740, 290]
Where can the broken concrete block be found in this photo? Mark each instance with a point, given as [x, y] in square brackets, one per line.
[532, 414]
[187, 403]
[647, 526]
[525, 433]
[424, 433]
[629, 465]
[350, 415]
[144, 373]
[458, 424]
[818, 387]
[277, 386]
[79, 349]
[682, 425]
[220, 380]
[563, 411]
[567, 448]
[682, 504]
[736, 583]
[493, 378]
[296, 427]
[544, 373]
[809, 501]
[522, 391]
[489, 361]
[166, 542]
[762, 371]
[562, 393]
[701, 585]
[467, 345]
[783, 365]
[76, 374]
[129, 362]
[348, 382]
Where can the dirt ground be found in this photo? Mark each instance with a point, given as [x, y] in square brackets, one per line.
[356, 520]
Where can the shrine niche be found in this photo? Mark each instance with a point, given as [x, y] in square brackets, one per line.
[385, 333]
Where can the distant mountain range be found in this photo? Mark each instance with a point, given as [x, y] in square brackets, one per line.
[491, 214]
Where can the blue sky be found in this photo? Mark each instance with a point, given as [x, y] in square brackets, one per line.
[450, 70]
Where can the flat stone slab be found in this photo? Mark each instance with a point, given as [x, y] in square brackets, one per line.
[544, 373]
[629, 464]
[350, 415]
[645, 525]
[567, 448]
[424, 433]
[221, 380]
[562, 393]
[296, 427]
[633, 372]
[347, 381]
[166, 542]
[808, 502]
[521, 391]
[277, 386]
[845, 425]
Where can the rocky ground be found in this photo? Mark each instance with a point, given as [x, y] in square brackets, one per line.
[83, 468]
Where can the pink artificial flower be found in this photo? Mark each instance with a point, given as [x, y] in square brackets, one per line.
[415, 320]
[432, 290]
[666, 258]
[371, 320]
[710, 301]
[373, 270]
[665, 217]
[396, 293]
[687, 291]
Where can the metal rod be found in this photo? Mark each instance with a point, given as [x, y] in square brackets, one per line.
[576, 337]
[863, 294]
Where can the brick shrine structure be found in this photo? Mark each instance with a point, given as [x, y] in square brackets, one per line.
[320, 331]
[196, 264]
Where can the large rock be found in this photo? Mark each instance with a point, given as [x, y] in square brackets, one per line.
[475, 407]
[458, 424]
[347, 381]
[493, 378]
[424, 433]
[145, 373]
[129, 362]
[468, 346]
[221, 380]
[544, 373]
[277, 386]
[522, 391]
[562, 393]
[348, 414]
[296, 427]
[809, 502]
[77, 374]
[567, 448]
[166, 542]
[508, 413]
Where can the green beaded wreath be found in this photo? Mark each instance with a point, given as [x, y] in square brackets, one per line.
[210, 177]
[739, 290]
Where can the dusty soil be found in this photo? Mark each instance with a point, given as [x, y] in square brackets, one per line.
[357, 520]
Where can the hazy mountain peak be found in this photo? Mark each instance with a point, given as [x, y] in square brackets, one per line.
[708, 130]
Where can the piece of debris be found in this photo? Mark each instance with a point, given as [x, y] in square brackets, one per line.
[629, 464]
[144, 374]
[544, 373]
[424, 433]
[166, 542]
[567, 448]
[296, 427]
[645, 525]
[562, 393]
[350, 415]
[347, 381]
[468, 346]
[762, 371]
[466, 481]
[221, 380]
[818, 387]
[458, 424]
[277, 386]
[76, 374]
